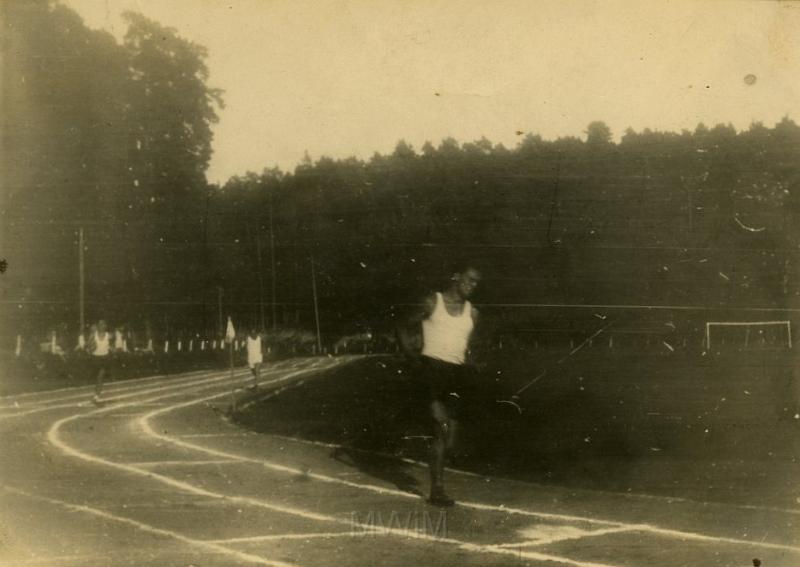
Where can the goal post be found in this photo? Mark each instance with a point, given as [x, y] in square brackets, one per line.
[748, 326]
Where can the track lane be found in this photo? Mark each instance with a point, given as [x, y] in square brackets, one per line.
[137, 402]
[55, 438]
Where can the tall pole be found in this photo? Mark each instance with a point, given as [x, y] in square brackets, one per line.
[207, 256]
[553, 199]
[233, 386]
[272, 260]
[230, 336]
[260, 279]
[316, 305]
[82, 281]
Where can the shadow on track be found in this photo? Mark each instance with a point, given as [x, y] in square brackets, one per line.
[383, 467]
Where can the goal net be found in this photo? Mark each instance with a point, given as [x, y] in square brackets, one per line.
[749, 334]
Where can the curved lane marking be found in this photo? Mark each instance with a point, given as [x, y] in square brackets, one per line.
[143, 422]
[89, 387]
[217, 376]
[124, 386]
[208, 545]
[54, 437]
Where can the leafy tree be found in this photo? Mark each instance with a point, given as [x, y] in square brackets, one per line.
[168, 118]
[63, 152]
[118, 138]
[112, 138]
[598, 134]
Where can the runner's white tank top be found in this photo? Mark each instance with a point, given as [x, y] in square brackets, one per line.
[254, 350]
[444, 336]
[102, 345]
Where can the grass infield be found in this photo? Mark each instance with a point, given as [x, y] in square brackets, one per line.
[705, 428]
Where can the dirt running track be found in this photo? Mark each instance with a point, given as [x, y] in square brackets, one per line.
[158, 476]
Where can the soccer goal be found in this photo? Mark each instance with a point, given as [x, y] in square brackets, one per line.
[749, 334]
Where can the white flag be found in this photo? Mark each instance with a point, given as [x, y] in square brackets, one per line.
[230, 332]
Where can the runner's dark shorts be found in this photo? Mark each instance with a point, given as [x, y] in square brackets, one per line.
[103, 362]
[446, 383]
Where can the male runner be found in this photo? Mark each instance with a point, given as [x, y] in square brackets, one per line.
[255, 356]
[99, 346]
[448, 319]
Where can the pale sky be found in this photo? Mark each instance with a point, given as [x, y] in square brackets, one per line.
[343, 78]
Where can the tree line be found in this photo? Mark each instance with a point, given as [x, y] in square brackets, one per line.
[116, 138]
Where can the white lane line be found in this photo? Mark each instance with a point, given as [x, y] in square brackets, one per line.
[56, 559]
[218, 376]
[209, 546]
[125, 385]
[151, 404]
[461, 472]
[143, 422]
[360, 451]
[312, 535]
[39, 410]
[124, 414]
[132, 389]
[567, 533]
[576, 534]
[152, 464]
[54, 438]
[673, 499]
[191, 435]
[271, 394]
[678, 534]
[627, 495]
[111, 383]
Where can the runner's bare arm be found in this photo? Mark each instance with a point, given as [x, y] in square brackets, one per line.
[475, 340]
[409, 333]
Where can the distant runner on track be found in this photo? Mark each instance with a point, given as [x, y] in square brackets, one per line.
[255, 356]
[448, 319]
[100, 348]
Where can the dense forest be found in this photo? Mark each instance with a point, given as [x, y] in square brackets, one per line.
[115, 138]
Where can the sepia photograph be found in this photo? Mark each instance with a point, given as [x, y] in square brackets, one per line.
[400, 282]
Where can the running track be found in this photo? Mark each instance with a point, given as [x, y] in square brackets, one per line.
[159, 477]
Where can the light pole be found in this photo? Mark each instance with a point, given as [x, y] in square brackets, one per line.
[272, 260]
[260, 278]
[82, 284]
[316, 305]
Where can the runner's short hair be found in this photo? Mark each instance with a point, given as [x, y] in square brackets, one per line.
[461, 266]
